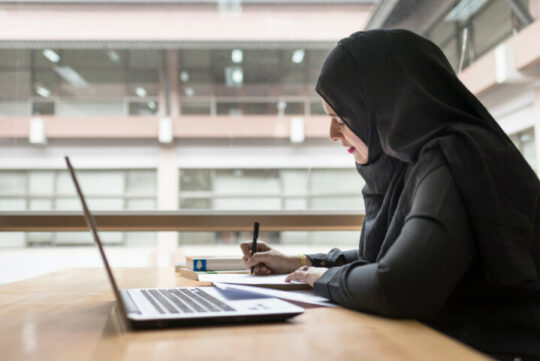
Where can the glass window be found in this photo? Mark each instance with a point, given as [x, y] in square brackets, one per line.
[488, 24]
[196, 108]
[12, 239]
[90, 108]
[248, 203]
[193, 59]
[102, 183]
[142, 58]
[42, 108]
[12, 183]
[338, 203]
[239, 108]
[105, 204]
[41, 182]
[443, 31]
[295, 181]
[75, 238]
[14, 58]
[335, 181]
[143, 108]
[290, 108]
[198, 238]
[195, 203]
[271, 189]
[86, 81]
[41, 204]
[450, 49]
[90, 58]
[326, 237]
[296, 204]
[492, 25]
[70, 82]
[251, 181]
[141, 182]
[314, 62]
[68, 204]
[141, 204]
[46, 83]
[64, 184]
[316, 108]
[14, 108]
[526, 143]
[39, 238]
[140, 239]
[12, 204]
[195, 180]
[54, 190]
[14, 84]
[143, 82]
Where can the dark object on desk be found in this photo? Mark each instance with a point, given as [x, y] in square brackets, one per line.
[254, 244]
[160, 308]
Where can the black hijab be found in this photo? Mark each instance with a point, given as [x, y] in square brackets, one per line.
[397, 92]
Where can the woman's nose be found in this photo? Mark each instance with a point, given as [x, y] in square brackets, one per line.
[335, 132]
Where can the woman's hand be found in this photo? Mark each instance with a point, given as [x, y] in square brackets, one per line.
[267, 260]
[307, 274]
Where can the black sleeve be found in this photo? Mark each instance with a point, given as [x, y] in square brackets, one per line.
[335, 257]
[422, 267]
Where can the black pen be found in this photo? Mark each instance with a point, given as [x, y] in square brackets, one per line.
[254, 244]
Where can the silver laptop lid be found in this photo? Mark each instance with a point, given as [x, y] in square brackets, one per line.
[91, 223]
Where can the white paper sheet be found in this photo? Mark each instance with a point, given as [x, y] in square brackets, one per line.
[242, 279]
[304, 296]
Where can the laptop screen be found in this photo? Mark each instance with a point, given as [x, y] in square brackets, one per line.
[91, 223]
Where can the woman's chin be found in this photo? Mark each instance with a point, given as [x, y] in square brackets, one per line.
[360, 160]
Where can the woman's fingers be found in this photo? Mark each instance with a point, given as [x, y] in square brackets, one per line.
[259, 257]
[246, 262]
[257, 262]
[261, 270]
[246, 248]
[258, 268]
[298, 275]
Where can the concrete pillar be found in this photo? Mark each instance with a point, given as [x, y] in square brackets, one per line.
[167, 169]
[172, 72]
[167, 200]
[175, 110]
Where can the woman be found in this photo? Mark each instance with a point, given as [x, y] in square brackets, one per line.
[451, 234]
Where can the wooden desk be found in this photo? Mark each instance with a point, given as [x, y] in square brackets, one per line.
[70, 315]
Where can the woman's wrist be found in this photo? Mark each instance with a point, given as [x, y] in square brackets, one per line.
[305, 261]
[297, 261]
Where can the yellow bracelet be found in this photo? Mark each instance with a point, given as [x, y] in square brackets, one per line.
[303, 260]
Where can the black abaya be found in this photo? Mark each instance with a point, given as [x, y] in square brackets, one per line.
[452, 228]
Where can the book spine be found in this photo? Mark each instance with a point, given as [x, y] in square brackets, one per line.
[199, 264]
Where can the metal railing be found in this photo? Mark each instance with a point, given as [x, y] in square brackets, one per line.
[183, 221]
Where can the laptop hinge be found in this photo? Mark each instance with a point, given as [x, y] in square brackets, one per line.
[128, 302]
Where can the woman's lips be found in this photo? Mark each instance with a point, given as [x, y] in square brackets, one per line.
[350, 149]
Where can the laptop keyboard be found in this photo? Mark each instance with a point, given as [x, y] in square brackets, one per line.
[184, 300]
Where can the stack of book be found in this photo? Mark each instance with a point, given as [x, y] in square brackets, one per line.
[196, 265]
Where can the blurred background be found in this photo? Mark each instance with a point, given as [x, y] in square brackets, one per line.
[210, 105]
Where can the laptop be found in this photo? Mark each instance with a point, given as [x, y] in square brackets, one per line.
[143, 308]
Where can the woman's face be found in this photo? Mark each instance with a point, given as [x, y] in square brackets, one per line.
[339, 131]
